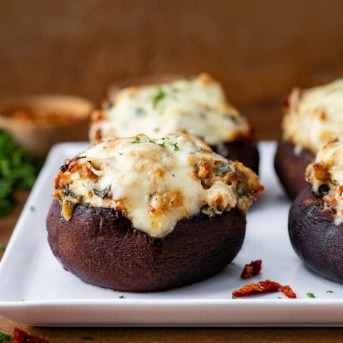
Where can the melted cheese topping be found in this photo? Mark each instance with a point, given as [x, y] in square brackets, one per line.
[197, 105]
[314, 116]
[155, 182]
[326, 177]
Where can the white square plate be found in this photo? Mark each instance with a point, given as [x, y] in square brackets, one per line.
[36, 290]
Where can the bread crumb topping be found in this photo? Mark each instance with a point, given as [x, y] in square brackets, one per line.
[155, 182]
[196, 105]
[314, 116]
[326, 177]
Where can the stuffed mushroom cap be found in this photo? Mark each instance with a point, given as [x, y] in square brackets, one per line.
[313, 117]
[316, 215]
[326, 177]
[155, 182]
[197, 105]
[144, 214]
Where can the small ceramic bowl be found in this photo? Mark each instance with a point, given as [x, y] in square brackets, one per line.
[37, 122]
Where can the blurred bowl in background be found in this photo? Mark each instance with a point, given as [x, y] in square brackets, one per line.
[37, 122]
[116, 86]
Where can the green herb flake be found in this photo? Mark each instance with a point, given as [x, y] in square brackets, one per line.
[234, 297]
[163, 145]
[159, 96]
[329, 291]
[176, 147]
[222, 169]
[157, 129]
[32, 209]
[310, 295]
[207, 211]
[101, 193]
[173, 175]
[136, 140]
[5, 338]
[121, 297]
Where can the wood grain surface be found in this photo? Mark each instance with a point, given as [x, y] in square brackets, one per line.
[258, 49]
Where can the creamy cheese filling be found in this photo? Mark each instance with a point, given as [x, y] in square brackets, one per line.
[155, 182]
[326, 177]
[314, 117]
[196, 105]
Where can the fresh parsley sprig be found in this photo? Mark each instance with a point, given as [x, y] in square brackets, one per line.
[18, 170]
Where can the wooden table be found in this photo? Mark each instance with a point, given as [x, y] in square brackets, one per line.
[261, 335]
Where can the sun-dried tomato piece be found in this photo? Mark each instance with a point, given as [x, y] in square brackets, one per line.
[252, 288]
[252, 269]
[262, 287]
[288, 292]
[270, 286]
[20, 336]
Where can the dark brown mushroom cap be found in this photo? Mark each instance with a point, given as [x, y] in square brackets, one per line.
[291, 168]
[241, 150]
[315, 237]
[101, 247]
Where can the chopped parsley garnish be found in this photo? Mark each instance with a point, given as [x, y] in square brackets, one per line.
[32, 208]
[5, 338]
[222, 169]
[176, 147]
[310, 295]
[234, 297]
[163, 145]
[101, 193]
[136, 140]
[159, 96]
[207, 211]
[152, 141]
[121, 297]
[329, 291]
[67, 191]
[173, 175]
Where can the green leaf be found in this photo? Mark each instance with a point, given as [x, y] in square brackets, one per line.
[5, 338]
[310, 295]
[159, 96]
[101, 193]
[136, 140]
[18, 170]
[222, 169]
